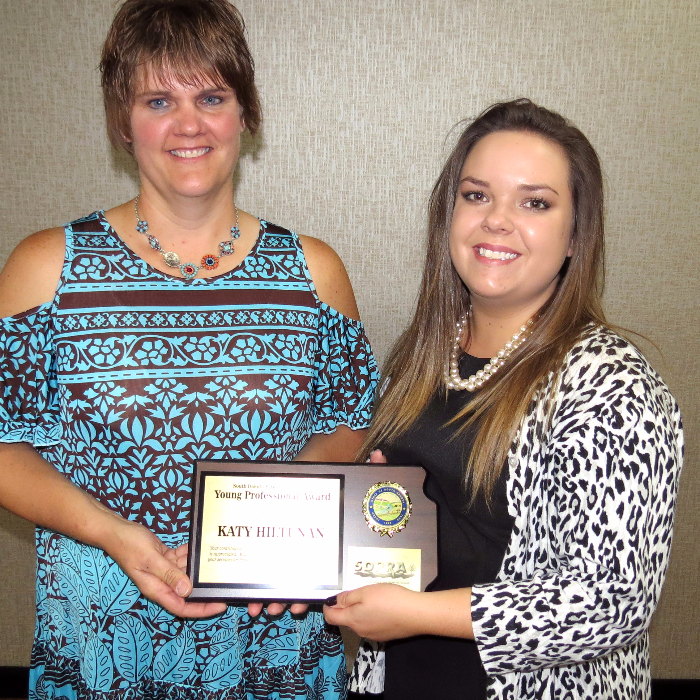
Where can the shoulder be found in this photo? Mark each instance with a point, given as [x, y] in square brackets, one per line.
[606, 374]
[601, 341]
[32, 272]
[329, 276]
[601, 354]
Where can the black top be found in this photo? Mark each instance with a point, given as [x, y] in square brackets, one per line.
[471, 545]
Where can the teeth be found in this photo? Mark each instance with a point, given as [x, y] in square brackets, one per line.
[495, 255]
[190, 152]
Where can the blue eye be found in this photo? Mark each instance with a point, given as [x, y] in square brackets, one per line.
[158, 103]
[212, 100]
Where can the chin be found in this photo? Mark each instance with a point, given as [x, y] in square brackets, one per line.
[492, 295]
[195, 189]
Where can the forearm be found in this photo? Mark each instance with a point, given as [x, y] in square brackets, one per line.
[339, 446]
[33, 489]
[445, 613]
[454, 613]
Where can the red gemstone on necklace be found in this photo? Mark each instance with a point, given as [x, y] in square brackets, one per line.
[210, 262]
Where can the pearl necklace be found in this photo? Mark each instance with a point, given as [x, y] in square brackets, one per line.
[189, 270]
[452, 379]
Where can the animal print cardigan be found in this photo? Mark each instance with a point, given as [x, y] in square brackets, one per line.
[593, 495]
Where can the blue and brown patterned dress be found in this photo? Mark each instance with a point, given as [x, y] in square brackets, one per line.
[121, 382]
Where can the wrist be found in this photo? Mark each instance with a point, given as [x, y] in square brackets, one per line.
[106, 529]
[447, 613]
[423, 615]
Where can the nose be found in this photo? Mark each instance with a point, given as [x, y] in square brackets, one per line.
[188, 121]
[497, 219]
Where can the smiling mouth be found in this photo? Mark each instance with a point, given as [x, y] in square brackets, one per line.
[496, 255]
[190, 152]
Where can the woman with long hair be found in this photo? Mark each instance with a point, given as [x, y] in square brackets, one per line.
[551, 446]
[170, 328]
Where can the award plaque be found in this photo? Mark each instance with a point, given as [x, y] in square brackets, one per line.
[304, 531]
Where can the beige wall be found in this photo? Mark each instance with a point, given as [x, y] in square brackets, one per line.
[359, 97]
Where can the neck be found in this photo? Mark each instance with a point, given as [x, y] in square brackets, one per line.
[491, 329]
[187, 221]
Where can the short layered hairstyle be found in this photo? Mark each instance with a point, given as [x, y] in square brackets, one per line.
[188, 41]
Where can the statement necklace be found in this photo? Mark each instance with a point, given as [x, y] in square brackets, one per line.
[189, 270]
[452, 379]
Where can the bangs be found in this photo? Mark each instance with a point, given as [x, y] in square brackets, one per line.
[186, 53]
[171, 70]
[192, 47]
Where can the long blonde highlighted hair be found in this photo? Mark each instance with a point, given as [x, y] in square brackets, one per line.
[417, 362]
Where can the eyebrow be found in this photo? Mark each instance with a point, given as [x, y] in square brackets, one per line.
[534, 188]
[526, 188]
[149, 93]
[474, 181]
[167, 92]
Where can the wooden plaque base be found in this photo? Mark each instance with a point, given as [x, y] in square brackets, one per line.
[407, 557]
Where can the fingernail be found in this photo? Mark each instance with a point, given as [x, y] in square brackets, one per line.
[181, 589]
[333, 600]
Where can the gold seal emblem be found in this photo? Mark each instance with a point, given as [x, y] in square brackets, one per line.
[387, 508]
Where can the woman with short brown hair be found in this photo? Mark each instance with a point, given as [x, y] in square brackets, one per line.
[171, 328]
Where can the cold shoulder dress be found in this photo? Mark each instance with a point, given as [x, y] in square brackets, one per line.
[121, 382]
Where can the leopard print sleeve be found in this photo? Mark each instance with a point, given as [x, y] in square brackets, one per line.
[593, 494]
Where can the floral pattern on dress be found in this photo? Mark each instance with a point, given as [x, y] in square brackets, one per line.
[125, 380]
